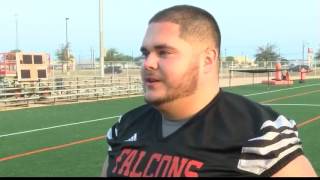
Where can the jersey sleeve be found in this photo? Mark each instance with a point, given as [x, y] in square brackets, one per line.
[112, 134]
[276, 145]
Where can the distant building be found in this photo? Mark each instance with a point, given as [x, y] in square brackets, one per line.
[310, 57]
[243, 60]
[23, 66]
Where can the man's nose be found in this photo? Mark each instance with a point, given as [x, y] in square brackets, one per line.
[150, 62]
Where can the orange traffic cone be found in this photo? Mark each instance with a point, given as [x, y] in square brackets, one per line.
[303, 72]
[278, 73]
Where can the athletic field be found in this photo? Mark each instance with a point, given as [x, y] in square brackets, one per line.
[68, 140]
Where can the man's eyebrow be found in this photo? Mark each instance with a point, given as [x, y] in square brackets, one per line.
[157, 47]
[164, 46]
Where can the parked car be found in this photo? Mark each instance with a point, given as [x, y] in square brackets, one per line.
[113, 69]
[298, 67]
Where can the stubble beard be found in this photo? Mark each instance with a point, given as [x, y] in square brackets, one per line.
[186, 87]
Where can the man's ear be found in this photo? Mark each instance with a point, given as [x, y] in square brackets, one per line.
[210, 60]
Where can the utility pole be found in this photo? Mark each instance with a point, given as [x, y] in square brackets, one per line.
[17, 37]
[67, 42]
[67, 31]
[92, 57]
[225, 52]
[302, 53]
[102, 53]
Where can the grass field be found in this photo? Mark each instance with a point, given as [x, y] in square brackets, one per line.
[68, 140]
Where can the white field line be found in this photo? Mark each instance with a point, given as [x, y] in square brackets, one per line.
[54, 127]
[308, 105]
[266, 92]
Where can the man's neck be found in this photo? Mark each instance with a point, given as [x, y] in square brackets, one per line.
[187, 107]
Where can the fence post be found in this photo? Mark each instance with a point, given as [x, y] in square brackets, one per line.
[78, 89]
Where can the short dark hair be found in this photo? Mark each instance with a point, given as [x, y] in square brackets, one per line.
[194, 22]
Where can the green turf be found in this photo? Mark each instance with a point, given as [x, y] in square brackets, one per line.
[34, 118]
[83, 160]
[309, 135]
[295, 112]
[37, 140]
[28, 119]
[86, 159]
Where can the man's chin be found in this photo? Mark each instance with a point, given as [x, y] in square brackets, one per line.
[154, 101]
[159, 101]
[150, 100]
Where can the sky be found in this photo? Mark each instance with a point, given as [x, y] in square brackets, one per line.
[245, 25]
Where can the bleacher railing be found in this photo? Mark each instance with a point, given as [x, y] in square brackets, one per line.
[69, 89]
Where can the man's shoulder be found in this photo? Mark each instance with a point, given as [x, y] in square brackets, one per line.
[131, 122]
[244, 105]
[136, 117]
[272, 139]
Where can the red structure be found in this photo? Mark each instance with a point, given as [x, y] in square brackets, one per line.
[8, 65]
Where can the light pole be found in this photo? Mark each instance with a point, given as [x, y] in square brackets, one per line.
[302, 53]
[101, 37]
[67, 42]
[17, 38]
[304, 44]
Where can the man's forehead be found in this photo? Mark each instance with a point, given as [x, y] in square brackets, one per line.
[163, 29]
[162, 43]
[164, 25]
[161, 35]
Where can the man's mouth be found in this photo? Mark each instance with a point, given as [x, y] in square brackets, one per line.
[151, 80]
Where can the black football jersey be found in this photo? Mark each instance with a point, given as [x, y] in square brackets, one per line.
[231, 136]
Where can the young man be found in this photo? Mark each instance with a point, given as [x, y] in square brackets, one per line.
[189, 126]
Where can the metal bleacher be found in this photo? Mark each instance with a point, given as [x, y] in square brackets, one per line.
[69, 89]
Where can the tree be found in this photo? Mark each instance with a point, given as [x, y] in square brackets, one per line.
[266, 55]
[139, 60]
[284, 61]
[317, 55]
[62, 54]
[113, 55]
[230, 59]
[65, 57]
[15, 50]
